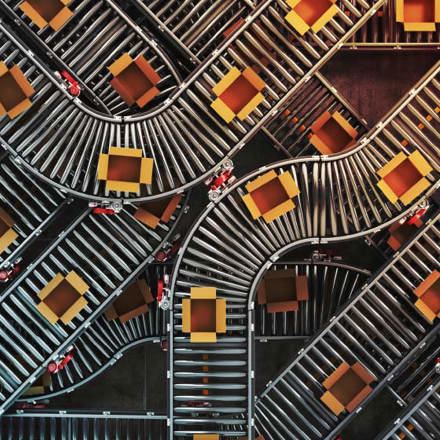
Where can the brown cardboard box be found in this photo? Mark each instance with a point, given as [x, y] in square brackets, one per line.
[132, 302]
[238, 94]
[418, 15]
[400, 233]
[134, 80]
[332, 133]
[62, 298]
[151, 213]
[347, 387]
[40, 386]
[281, 290]
[47, 12]
[428, 293]
[15, 91]
[203, 315]
[7, 234]
[270, 195]
[124, 169]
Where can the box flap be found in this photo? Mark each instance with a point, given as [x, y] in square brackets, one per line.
[254, 79]
[250, 106]
[61, 19]
[260, 181]
[297, 22]
[47, 313]
[335, 406]
[20, 108]
[220, 312]
[146, 174]
[425, 310]
[325, 18]
[73, 310]
[120, 64]
[203, 293]
[77, 282]
[223, 110]
[22, 81]
[186, 315]
[389, 193]
[278, 211]
[226, 81]
[251, 206]
[289, 184]
[116, 185]
[102, 170]
[420, 163]
[7, 239]
[50, 286]
[393, 163]
[208, 337]
[415, 191]
[31, 13]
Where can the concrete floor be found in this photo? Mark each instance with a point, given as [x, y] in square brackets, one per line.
[373, 82]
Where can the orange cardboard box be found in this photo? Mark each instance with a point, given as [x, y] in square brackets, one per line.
[15, 91]
[62, 298]
[310, 14]
[400, 233]
[54, 13]
[428, 293]
[270, 195]
[132, 302]
[203, 315]
[332, 133]
[281, 290]
[238, 94]
[347, 387]
[7, 234]
[134, 80]
[418, 15]
[151, 213]
[124, 169]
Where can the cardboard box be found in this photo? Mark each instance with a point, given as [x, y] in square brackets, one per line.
[401, 233]
[403, 178]
[428, 292]
[281, 290]
[54, 13]
[134, 80]
[238, 94]
[310, 14]
[62, 298]
[40, 386]
[7, 234]
[270, 195]
[15, 91]
[124, 169]
[418, 15]
[151, 213]
[332, 133]
[132, 302]
[203, 315]
[347, 387]
[206, 437]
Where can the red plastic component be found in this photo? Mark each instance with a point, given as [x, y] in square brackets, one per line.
[54, 367]
[160, 286]
[107, 211]
[221, 180]
[417, 216]
[73, 88]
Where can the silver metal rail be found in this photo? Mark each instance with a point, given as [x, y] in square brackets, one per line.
[228, 250]
[421, 420]
[184, 136]
[31, 205]
[380, 328]
[87, 425]
[107, 252]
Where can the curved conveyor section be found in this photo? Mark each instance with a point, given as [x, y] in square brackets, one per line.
[107, 252]
[98, 34]
[60, 137]
[31, 205]
[380, 329]
[339, 199]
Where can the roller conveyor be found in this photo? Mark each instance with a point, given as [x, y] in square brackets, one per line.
[290, 131]
[330, 286]
[100, 347]
[421, 420]
[185, 137]
[107, 252]
[90, 425]
[97, 35]
[379, 329]
[228, 250]
[383, 31]
[31, 205]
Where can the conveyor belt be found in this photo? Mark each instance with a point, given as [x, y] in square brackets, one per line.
[184, 136]
[383, 31]
[97, 35]
[31, 205]
[228, 250]
[421, 420]
[101, 346]
[379, 329]
[90, 425]
[291, 129]
[107, 252]
[330, 286]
